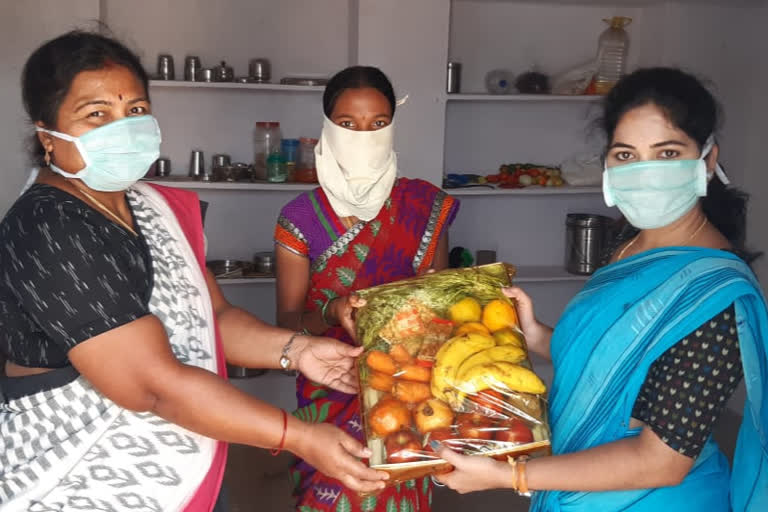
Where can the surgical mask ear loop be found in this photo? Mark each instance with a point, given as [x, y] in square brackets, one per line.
[719, 172]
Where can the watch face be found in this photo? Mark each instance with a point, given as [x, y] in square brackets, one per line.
[285, 363]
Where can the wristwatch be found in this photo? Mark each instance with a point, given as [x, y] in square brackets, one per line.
[285, 361]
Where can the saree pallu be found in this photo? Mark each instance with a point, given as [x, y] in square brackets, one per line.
[399, 243]
[628, 314]
[71, 448]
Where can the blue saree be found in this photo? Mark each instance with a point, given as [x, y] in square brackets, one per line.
[628, 314]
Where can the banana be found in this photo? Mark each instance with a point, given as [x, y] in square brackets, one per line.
[449, 358]
[506, 353]
[500, 373]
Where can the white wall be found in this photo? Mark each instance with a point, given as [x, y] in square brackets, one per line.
[23, 27]
[407, 40]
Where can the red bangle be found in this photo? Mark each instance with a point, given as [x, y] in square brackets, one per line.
[282, 438]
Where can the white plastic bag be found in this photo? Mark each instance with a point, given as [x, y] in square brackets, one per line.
[583, 170]
[576, 80]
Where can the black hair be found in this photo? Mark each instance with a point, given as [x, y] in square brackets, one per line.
[357, 77]
[692, 108]
[50, 70]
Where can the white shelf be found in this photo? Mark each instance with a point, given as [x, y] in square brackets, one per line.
[540, 98]
[527, 191]
[525, 274]
[246, 281]
[182, 84]
[545, 274]
[236, 185]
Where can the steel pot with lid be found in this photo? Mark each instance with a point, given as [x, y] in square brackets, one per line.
[223, 73]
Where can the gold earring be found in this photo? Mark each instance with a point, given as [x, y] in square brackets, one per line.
[47, 158]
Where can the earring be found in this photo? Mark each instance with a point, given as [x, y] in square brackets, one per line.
[47, 158]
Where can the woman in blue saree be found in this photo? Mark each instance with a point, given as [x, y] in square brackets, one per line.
[649, 352]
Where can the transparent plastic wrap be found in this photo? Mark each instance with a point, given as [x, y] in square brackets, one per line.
[445, 360]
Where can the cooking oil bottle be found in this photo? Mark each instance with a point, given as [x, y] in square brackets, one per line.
[612, 50]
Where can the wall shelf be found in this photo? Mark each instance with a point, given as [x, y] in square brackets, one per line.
[539, 98]
[236, 185]
[527, 191]
[525, 274]
[183, 84]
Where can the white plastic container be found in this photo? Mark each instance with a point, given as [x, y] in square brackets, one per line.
[612, 48]
[499, 81]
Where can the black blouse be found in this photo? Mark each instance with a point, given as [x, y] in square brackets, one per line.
[67, 274]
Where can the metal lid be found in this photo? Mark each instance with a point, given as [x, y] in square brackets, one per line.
[587, 220]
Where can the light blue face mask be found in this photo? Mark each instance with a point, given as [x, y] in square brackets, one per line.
[655, 193]
[116, 155]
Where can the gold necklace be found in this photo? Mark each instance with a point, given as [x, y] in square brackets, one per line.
[630, 244]
[106, 210]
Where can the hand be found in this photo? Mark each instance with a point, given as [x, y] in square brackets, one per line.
[328, 361]
[342, 312]
[537, 335]
[334, 453]
[474, 473]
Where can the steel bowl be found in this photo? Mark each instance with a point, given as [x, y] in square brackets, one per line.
[264, 262]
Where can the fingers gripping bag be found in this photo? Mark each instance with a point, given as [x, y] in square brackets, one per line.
[445, 360]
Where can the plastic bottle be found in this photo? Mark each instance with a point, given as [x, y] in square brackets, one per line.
[276, 168]
[612, 50]
[266, 141]
[499, 81]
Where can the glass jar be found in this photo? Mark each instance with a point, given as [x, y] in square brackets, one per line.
[266, 141]
[276, 172]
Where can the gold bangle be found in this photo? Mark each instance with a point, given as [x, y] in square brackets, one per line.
[522, 479]
[512, 462]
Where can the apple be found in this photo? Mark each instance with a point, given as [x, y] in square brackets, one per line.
[513, 430]
[474, 425]
[403, 446]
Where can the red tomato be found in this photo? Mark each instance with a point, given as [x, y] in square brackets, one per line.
[493, 178]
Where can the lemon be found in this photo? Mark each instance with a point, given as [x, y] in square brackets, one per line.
[499, 314]
[466, 310]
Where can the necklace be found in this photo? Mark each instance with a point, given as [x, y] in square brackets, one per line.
[630, 244]
[106, 210]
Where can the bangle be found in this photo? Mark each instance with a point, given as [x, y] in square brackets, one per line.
[522, 479]
[512, 462]
[324, 311]
[282, 438]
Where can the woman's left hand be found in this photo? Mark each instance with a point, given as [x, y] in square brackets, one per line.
[473, 473]
[329, 362]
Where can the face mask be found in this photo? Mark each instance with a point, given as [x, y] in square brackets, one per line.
[655, 193]
[116, 155]
[356, 169]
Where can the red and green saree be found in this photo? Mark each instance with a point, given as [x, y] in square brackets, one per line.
[399, 243]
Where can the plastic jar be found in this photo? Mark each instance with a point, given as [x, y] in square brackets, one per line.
[290, 151]
[266, 141]
[305, 167]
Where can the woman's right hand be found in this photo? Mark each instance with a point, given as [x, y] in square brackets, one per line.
[342, 311]
[537, 335]
[336, 454]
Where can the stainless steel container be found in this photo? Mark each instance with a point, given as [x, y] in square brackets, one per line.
[264, 262]
[453, 78]
[205, 75]
[260, 70]
[165, 69]
[223, 73]
[197, 165]
[191, 68]
[585, 239]
[220, 160]
[162, 167]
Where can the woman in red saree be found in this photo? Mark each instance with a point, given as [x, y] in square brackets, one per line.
[363, 227]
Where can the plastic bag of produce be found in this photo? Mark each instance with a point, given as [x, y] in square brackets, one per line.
[446, 361]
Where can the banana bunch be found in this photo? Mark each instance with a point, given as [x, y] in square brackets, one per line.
[473, 362]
